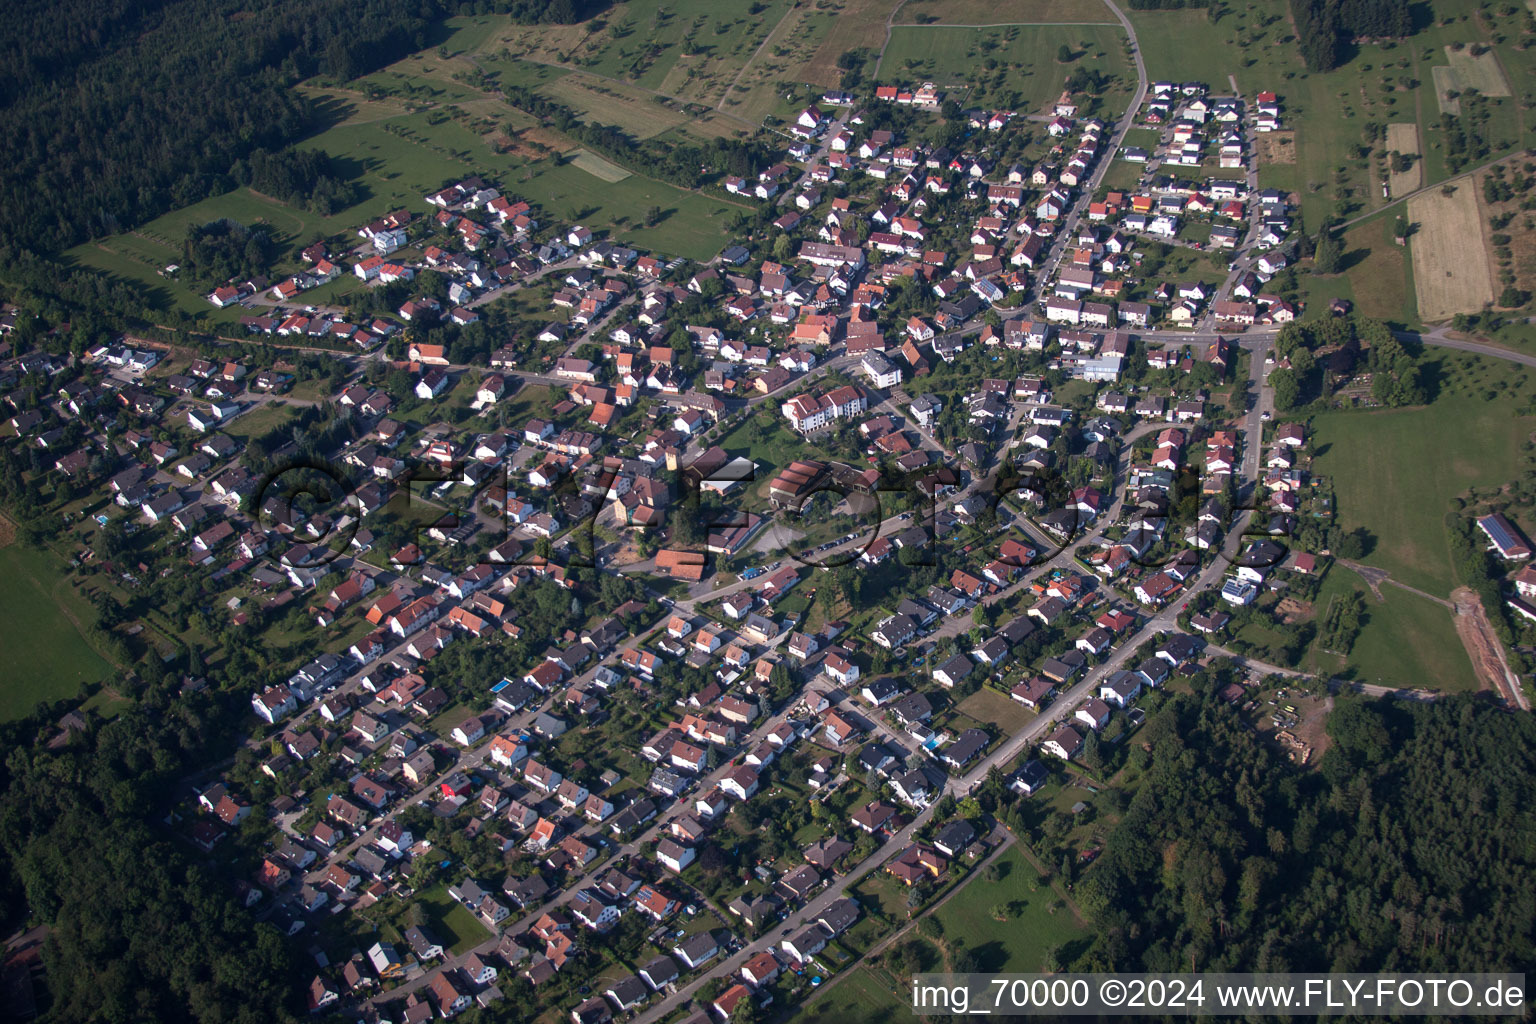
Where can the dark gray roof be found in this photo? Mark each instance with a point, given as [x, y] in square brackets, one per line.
[660, 970]
[839, 915]
[957, 835]
[694, 947]
[956, 668]
[914, 707]
[970, 743]
[1032, 773]
[628, 990]
[1017, 630]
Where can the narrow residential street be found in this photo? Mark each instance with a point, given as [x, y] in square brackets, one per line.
[1162, 621]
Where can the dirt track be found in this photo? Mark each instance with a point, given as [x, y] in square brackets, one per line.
[1484, 649]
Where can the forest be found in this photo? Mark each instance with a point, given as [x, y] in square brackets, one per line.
[1410, 848]
[1327, 29]
[139, 930]
[223, 250]
[299, 177]
[114, 114]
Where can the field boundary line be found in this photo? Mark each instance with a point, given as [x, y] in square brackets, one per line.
[1425, 188]
[890, 22]
[632, 85]
[720, 108]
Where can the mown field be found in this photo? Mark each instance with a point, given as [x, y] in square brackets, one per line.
[1396, 471]
[1451, 271]
[47, 658]
[1376, 275]
[1403, 137]
[1406, 640]
[995, 12]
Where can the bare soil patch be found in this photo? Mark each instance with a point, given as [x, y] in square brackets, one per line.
[1277, 147]
[1292, 611]
[7, 532]
[1483, 646]
[628, 553]
[1312, 730]
[1305, 739]
[1404, 138]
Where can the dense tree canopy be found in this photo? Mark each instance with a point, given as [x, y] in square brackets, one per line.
[1411, 849]
[222, 250]
[138, 930]
[114, 114]
[302, 177]
[1327, 28]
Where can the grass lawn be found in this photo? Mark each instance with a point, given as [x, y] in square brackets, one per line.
[1261, 636]
[47, 657]
[691, 224]
[996, 709]
[1396, 471]
[1037, 920]
[260, 420]
[1179, 263]
[442, 724]
[116, 262]
[450, 922]
[531, 401]
[107, 703]
[1013, 67]
[866, 996]
[1406, 640]
[1122, 176]
[882, 891]
[1377, 275]
[765, 438]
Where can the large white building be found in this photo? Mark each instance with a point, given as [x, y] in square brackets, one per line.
[812, 412]
[881, 371]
